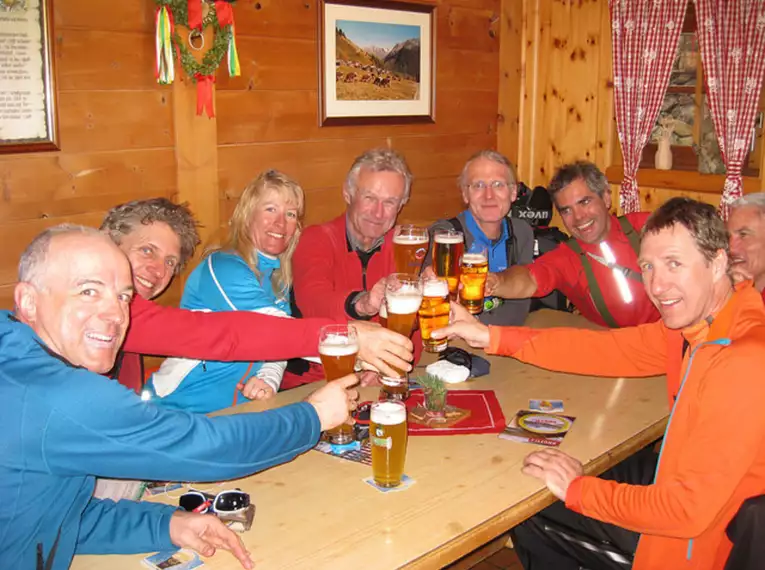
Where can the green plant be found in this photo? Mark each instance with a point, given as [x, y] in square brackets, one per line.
[435, 391]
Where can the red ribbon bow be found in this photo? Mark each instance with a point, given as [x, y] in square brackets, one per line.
[225, 13]
[195, 14]
[205, 94]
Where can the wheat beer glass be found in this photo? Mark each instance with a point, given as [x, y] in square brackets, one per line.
[383, 314]
[403, 296]
[387, 435]
[338, 347]
[410, 244]
[475, 267]
[434, 312]
[448, 247]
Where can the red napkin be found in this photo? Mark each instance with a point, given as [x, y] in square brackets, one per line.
[486, 416]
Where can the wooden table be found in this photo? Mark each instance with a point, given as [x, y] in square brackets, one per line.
[315, 512]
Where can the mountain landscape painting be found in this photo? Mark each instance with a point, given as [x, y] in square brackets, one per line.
[377, 61]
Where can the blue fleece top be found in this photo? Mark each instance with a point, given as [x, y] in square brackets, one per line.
[222, 282]
[497, 249]
[61, 426]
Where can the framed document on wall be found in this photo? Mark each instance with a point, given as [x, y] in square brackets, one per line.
[28, 120]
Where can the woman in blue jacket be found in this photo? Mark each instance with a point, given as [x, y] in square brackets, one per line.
[251, 272]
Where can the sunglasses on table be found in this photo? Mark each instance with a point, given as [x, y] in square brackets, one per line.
[224, 502]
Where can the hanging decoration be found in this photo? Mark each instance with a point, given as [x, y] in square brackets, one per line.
[191, 13]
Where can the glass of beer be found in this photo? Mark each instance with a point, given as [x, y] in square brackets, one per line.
[448, 247]
[387, 436]
[338, 347]
[410, 245]
[383, 314]
[403, 297]
[434, 312]
[475, 267]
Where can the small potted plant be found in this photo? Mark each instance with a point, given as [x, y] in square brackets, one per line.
[435, 392]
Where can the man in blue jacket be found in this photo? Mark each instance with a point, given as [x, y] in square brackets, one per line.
[63, 424]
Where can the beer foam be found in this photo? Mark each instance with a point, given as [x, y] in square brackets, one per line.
[337, 345]
[440, 238]
[435, 288]
[403, 303]
[474, 258]
[388, 413]
[406, 240]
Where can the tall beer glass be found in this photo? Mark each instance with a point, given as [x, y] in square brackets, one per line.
[383, 314]
[475, 267]
[434, 312]
[387, 434]
[410, 245]
[403, 296]
[448, 248]
[338, 347]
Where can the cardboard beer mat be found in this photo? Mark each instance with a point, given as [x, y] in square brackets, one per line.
[356, 451]
[479, 412]
[177, 560]
[406, 482]
[538, 427]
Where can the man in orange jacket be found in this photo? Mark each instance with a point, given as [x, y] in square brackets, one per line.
[709, 343]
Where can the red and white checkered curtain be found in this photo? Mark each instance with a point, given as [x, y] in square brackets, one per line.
[644, 34]
[732, 43]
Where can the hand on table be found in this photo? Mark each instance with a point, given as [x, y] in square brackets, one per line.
[383, 348]
[334, 401]
[556, 469]
[256, 389]
[205, 534]
[465, 326]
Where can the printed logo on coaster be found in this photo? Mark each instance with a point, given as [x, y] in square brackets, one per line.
[544, 424]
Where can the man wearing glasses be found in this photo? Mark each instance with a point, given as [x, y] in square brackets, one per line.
[489, 188]
[597, 268]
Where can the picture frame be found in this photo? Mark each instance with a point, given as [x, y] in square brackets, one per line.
[28, 115]
[376, 62]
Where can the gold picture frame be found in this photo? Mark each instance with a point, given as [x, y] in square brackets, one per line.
[28, 120]
[376, 62]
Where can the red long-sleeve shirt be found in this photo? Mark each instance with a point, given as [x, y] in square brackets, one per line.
[234, 335]
[714, 450]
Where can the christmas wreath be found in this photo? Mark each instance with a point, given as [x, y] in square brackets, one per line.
[189, 13]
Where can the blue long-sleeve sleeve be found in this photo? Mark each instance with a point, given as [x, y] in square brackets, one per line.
[125, 527]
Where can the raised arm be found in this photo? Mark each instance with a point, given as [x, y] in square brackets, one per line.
[515, 282]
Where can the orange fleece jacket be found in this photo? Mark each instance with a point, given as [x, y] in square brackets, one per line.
[714, 449]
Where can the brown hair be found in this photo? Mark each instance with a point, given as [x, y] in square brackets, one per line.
[590, 174]
[123, 220]
[706, 228]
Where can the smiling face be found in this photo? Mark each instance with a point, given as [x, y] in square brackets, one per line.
[746, 225]
[488, 190]
[81, 306]
[273, 223]
[679, 280]
[373, 208]
[584, 213]
[154, 251]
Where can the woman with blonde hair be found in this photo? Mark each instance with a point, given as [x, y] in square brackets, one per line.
[251, 272]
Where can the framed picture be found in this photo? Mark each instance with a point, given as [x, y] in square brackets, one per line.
[27, 92]
[376, 62]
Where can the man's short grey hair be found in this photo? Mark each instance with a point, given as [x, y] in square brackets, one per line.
[582, 170]
[379, 160]
[493, 156]
[33, 261]
[756, 200]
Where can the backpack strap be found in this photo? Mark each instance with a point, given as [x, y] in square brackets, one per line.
[595, 292]
[632, 236]
[511, 244]
[455, 224]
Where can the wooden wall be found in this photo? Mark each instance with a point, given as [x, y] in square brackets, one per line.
[124, 137]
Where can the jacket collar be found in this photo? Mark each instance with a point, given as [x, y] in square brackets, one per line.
[741, 306]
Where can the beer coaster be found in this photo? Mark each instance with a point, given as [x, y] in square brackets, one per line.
[406, 482]
[358, 452]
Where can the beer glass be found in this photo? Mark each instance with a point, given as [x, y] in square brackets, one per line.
[387, 435]
[448, 247]
[383, 314]
[475, 267]
[410, 245]
[338, 347]
[403, 296]
[434, 312]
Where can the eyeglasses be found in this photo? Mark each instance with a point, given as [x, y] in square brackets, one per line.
[483, 185]
[224, 502]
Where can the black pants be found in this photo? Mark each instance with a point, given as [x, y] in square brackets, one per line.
[560, 539]
[747, 533]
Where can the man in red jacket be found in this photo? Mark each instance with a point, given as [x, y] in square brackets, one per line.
[159, 238]
[709, 342]
[597, 268]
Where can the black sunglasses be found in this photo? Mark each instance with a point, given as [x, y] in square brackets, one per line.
[224, 502]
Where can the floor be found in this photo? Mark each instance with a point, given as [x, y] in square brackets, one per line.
[504, 559]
